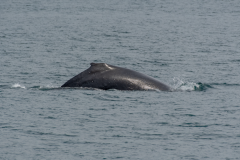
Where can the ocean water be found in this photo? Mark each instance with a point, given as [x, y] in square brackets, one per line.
[193, 46]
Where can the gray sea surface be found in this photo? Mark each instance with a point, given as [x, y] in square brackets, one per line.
[191, 45]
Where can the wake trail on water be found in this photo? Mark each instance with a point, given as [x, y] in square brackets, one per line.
[45, 87]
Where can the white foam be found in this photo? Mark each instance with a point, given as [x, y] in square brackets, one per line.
[189, 86]
[17, 85]
[184, 85]
[49, 86]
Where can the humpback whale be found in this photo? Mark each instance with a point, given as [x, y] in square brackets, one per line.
[105, 76]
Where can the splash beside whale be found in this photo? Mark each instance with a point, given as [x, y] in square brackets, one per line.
[105, 76]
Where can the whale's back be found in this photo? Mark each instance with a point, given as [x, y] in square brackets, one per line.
[104, 76]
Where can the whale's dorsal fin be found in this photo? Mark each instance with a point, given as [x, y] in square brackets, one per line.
[99, 67]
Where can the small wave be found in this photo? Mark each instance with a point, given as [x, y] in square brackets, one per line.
[225, 84]
[180, 84]
[17, 85]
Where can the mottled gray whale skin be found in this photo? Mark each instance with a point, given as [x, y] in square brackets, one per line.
[105, 76]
